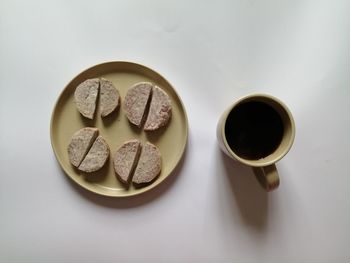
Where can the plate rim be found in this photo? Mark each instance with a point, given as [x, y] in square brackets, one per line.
[154, 184]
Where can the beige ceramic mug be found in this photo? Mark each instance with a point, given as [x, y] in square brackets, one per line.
[257, 130]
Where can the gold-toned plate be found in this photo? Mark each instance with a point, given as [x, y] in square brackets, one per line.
[116, 129]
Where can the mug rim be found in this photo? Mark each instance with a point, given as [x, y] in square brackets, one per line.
[254, 163]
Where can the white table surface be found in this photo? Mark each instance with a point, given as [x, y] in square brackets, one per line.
[210, 209]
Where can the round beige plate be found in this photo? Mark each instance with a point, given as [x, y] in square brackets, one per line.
[171, 139]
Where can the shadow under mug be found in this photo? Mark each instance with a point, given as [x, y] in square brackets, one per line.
[264, 167]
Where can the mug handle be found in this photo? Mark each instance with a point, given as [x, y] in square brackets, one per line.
[267, 176]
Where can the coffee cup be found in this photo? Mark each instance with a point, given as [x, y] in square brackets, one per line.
[257, 130]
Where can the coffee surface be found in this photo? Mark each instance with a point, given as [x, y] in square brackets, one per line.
[253, 130]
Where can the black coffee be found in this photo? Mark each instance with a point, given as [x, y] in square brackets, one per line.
[253, 130]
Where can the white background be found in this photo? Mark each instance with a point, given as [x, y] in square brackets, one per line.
[210, 209]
